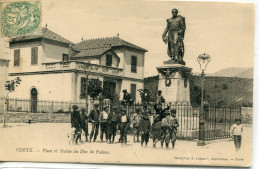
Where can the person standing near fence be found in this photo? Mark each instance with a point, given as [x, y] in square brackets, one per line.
[112, 125]
[236, 131]
[166, 136]
[156, 129]
[84, 122]
[136, 124]
[160, 111]
[159, 98]
[94, 119]
[75, 123]
[127, 100]
[174, 124]
[124, 126]
[103, 123]
[145, 128]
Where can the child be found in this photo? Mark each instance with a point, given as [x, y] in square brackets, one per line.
[166, 135]
[136, 125]
[112, 125]
[76, 122]
[145, 127]
[103, 123]
[84, 123]
[174, 124]
[124, 126]
[236, 132]
[156, 130]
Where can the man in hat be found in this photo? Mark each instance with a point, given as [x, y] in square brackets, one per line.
[136, 124]
[84, 122]
[94, 119]
[159, 98]
[174, 124]
[236, 131]
[124, 126]
[112, 125]
[103, 123]
[160, 111]
[126, 98]
[166, 136]
[156, 129]
[76, 122]
[145, 128]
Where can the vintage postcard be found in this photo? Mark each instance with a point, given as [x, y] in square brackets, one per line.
[127, 82]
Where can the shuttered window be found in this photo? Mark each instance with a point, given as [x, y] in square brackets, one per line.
[65, 57]
[108, 60]
[34, 56]
[133, 91]
[17, 57]
[134, 64]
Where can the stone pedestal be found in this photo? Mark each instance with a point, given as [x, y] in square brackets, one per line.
[174, 82]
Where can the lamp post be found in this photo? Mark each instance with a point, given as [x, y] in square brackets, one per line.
[87, 69]
[203, 60]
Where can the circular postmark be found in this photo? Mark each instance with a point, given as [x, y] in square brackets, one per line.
[20, 18]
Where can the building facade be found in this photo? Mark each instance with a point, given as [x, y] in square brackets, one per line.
[53, 68]
[4, 67]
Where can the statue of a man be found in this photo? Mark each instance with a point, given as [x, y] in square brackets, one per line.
[175, 29]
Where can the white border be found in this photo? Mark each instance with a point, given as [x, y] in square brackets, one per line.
[256, 122]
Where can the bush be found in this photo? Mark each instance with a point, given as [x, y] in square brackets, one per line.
[224, 86]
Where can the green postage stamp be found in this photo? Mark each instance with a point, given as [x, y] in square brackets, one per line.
[20, 18]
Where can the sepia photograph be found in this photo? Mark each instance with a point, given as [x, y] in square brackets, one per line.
[127, 82]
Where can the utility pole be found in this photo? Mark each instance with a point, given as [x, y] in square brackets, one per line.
[87, 69]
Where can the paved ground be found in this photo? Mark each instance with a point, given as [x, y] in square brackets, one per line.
[49, 142]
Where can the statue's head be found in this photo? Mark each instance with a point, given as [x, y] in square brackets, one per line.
[174, 12]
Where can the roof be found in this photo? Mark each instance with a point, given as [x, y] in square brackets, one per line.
[46, 34]
[92, 52]
[104, 42]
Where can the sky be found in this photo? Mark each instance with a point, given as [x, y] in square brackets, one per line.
[225, 31]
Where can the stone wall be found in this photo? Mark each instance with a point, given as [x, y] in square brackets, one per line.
[22, 117]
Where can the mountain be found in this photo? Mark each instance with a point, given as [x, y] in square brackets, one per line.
[235, 72]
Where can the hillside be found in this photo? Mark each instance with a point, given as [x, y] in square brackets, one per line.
[218, 90]
[235, 72]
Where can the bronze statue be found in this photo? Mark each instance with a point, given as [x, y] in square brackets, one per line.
[175, 29]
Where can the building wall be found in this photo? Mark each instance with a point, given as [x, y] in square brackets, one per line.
[125, 62]
[25, 58]
[101, 60]
[53, 51]
[49, 86]
[115, 61]
[48, 51]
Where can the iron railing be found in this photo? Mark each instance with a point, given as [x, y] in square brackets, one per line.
[217, 120]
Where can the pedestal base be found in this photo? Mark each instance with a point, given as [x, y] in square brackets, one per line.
[174, 82]
[201, 143]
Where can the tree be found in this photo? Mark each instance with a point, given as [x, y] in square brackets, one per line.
[224, 86]
[10, 86]
[195, 96]
[94, 88]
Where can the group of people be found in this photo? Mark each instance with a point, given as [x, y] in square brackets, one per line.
[107, 122]
[163, 128]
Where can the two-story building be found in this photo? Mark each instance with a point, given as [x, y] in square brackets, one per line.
[53, 68]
